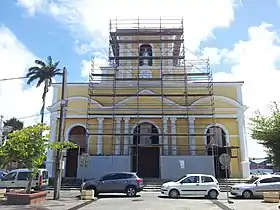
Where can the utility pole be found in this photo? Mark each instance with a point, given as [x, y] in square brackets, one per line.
[1, 129]
[59, 153]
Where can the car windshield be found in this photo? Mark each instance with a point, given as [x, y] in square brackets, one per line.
[177, 180]
[252, 180]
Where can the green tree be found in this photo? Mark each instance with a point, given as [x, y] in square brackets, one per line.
[15, 123]
[43, 73]
[27, 147]
[266, 131]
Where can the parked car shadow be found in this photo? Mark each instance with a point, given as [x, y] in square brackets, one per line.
[115, 196]
[102, 196]
[241, 198]
[197, 198]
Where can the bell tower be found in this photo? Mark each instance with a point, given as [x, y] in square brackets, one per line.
[147, 52]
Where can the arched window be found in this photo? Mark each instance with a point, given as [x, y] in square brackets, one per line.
[216, 136]
[149, 134]
[146, 51]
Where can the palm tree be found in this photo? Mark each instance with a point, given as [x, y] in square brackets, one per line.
[43, 73]
[15, 123]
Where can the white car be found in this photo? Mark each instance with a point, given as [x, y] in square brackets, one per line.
[18, 178]
[192, 185]
[256, 186]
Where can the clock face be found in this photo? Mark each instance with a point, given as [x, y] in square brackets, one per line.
[145, 74]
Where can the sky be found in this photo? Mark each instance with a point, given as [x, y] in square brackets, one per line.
[241, 38]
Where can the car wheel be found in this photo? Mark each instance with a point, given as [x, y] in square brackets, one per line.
[213, 194]
[131, 191]
[174, 193]
[247, 194]
[93, 188]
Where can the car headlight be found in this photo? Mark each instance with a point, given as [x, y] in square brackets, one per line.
[235, 188]
[163, 187]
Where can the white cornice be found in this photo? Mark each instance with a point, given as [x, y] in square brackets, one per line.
[228, 116]
[237, 106]
[152, 84]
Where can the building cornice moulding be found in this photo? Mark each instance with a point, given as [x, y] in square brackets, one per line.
[153, 83]
[229, 116]
[166, 101]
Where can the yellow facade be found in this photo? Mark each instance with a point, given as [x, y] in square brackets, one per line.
[227, 108]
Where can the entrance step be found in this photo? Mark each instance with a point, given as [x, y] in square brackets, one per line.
[153, 185]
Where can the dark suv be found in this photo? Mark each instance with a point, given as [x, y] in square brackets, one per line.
[120, 182]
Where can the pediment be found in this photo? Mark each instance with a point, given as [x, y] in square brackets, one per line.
[219, 102]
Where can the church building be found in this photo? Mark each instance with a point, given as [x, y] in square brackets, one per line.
[153, 110]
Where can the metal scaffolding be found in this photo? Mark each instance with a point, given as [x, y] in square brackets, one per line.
[171, 87]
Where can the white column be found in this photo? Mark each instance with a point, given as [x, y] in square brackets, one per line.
[50, 152]
[191, 135]
[126, 136]
[118, 137]
[245, 165]
[100, 136]
[165, 137]
[174, 140]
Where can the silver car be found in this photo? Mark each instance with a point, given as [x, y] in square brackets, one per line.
[256, 186]
[120, 182]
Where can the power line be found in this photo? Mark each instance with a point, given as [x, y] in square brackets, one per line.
[35, 115]
[13, 78]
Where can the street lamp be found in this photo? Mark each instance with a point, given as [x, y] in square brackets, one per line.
[6, 130]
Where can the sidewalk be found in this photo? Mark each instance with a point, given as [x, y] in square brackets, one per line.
[67, 202]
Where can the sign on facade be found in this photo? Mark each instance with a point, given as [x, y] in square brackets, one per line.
[182, 164]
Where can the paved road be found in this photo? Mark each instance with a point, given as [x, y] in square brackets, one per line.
[147, 201]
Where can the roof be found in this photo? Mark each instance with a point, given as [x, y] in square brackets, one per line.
[190, 174]
[24, 170]
[148, 31]
[21, 170]
[258, 161]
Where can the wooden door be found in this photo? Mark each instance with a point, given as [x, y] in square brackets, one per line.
[148, 162]
[71, 163]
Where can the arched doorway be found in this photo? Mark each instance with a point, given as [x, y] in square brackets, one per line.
[76, 135]
[146, 150]
[217, 145]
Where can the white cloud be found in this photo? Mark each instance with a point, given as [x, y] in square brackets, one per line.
[17, 100]
[89, 19]
[87, 67]
[31, 5]
[214, 54]
[253, 61]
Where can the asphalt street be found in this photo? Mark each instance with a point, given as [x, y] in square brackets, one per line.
[145, 201]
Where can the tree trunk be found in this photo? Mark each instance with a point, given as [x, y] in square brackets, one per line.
[44, 102]
[42, 111]
[30, 180]
[29, 185]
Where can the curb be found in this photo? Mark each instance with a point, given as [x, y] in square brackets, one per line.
[144, 190]
[65, 188]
